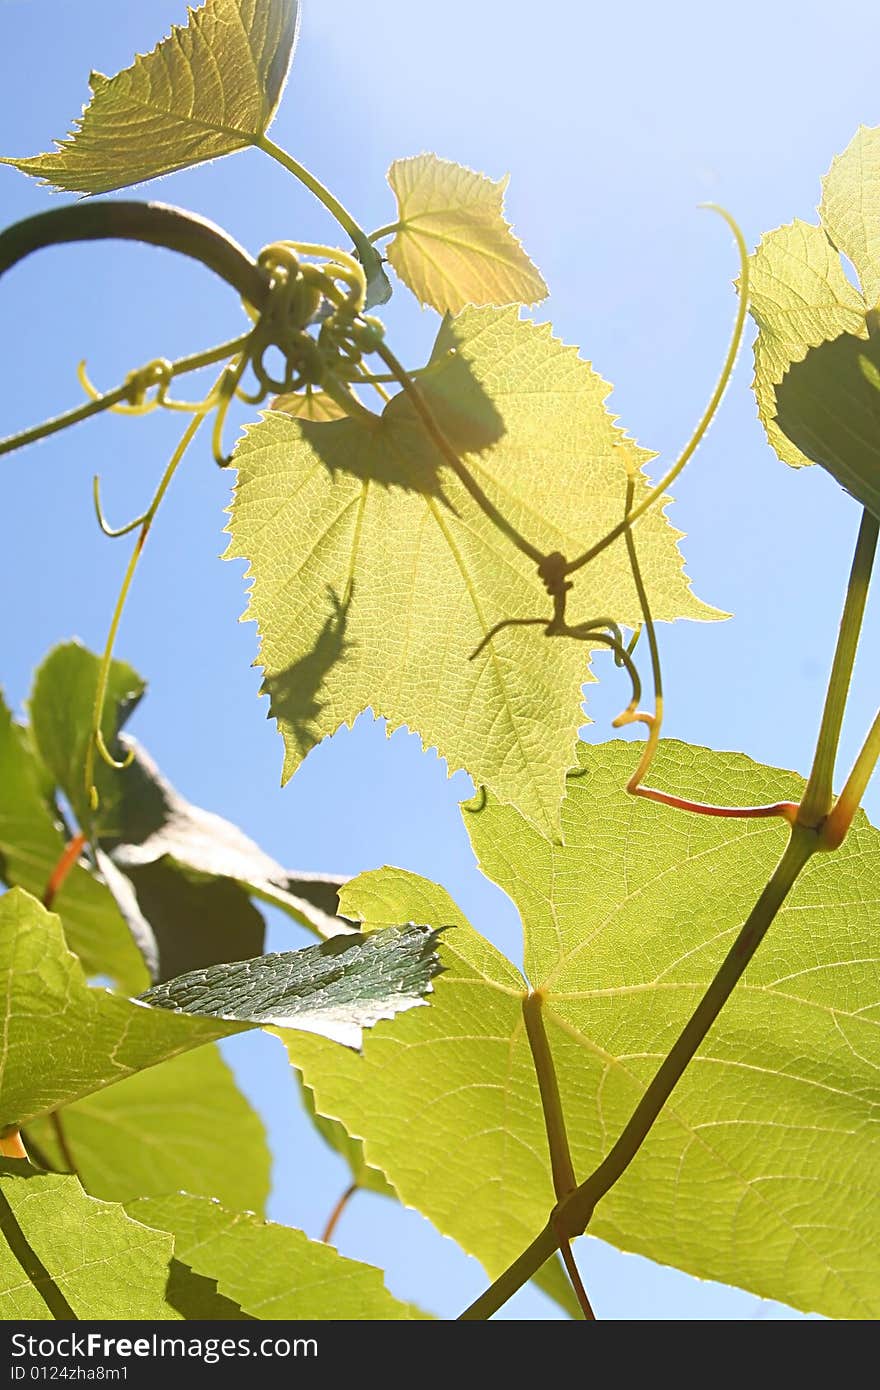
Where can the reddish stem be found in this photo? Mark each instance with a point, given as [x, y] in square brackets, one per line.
[787, 809]
[69, 857]
[337, 1211]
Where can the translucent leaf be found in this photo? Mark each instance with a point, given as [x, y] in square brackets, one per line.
[376, 575]
[349, 1149]
[829, 406]
[800, 297]
[850, 207]
[60, 707]
[31, 844]
[69, 1257]
[309, 405]
[452, 245]
[210, 88]
[64, 1040]
[271, 1271]
[759, 1172]
[180, 1125]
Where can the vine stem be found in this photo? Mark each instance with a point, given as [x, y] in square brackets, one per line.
[119, 395]
[564, 1180]
[562, 1168]
[696, 438]
[572, 1216]
[816, 801]
[68, 857]
[336, 1213]
[833, 832]
[367, 253]
[96, 741]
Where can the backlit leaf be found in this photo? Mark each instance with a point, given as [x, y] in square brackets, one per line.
[210, 88]
[63, 1040]
[376, 576]
[32, 841]
[180, 1125]
[759, 1172]
[452, 245]
[815, 399]
[271, 1271]
[69, 1257]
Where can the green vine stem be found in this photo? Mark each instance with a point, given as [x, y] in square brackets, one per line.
[120, 395]
[96, 742]
[572, 1215]
[816, 801]
[367, 254]
[835, 828]
[564, 1180]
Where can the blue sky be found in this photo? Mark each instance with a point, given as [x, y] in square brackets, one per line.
[614, 122]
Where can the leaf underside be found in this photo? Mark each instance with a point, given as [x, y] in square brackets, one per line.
[376, 576]
[814, 399]
[759, 1172]
[210, 88]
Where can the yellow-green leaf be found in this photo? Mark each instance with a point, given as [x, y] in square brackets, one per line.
[452, 243]
[63, 1040]
[850, 208]
[31, 844]
[271, 1271]
[376, 575]
[68, 1257]
[182, 1125]
[800, 298]
[309, 405]
[760, 1172]
[210, 88]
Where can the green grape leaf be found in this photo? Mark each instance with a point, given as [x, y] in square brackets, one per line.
[850, 208]
[800, 297]
[802, 302]
[181, 1125]
[376, 576]
[31, 844]
[452, 244]
[157, 825]
[759, 1172]
[829, 407]
[60, 706]
[210, 88]
[271, 1271]
[67, 1256]
[349, 1149]
[63, 1040]
[308, 405]
[336, 989]
[551, 1280]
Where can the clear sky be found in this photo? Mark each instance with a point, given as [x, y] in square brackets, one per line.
[615, 122]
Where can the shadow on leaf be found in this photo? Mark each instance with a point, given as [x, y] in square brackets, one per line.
[293, 693]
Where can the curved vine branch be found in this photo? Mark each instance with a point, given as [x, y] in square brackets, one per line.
[155, 224]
